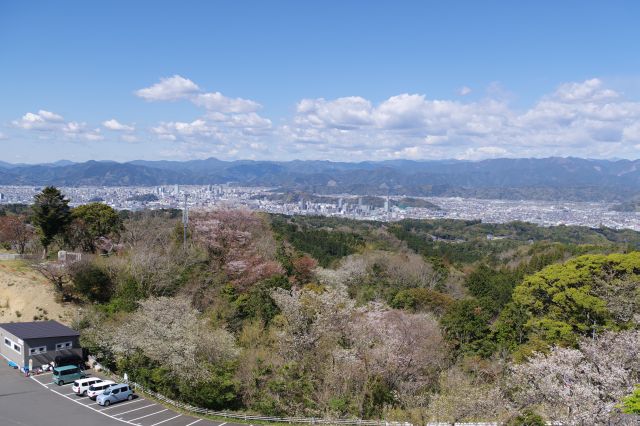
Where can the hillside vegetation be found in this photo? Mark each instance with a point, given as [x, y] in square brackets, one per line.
[312, 316]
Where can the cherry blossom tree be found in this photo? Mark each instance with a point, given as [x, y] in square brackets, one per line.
[239, 242]
[581, 385]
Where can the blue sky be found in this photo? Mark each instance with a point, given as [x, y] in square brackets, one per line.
[342, 80]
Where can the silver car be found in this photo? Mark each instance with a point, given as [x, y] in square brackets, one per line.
[115, 393]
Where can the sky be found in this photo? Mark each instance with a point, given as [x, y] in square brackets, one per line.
[332, 80]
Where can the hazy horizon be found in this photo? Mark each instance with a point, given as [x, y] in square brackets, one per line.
[106, 160]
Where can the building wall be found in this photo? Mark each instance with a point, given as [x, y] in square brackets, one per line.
[52, 352]
[39, 359]
[8, 352]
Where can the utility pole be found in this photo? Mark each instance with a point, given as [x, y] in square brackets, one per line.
[185, 221]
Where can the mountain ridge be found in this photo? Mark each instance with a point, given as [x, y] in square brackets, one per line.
[562, 178]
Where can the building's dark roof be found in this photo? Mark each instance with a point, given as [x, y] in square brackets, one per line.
[38, 329]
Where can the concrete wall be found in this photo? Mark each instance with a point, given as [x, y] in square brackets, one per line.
[11, 256]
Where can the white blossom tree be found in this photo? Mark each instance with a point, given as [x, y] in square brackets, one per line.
[170, 331]
[581, 385]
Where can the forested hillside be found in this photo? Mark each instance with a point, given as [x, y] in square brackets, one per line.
[323, 317]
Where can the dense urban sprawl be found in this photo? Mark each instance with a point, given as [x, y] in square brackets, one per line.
[202, 197]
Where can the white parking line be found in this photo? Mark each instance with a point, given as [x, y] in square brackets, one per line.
[148, 415]
[113, 416]
[135, 409]
[222, 424]
[90, 408]
[155, 424]
[122, 404]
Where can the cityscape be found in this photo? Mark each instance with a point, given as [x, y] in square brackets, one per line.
[320, 213]
[391, 208]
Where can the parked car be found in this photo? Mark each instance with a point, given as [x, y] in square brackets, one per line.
[67, 374]
[98, 388]
[115, 393]
[80, 387]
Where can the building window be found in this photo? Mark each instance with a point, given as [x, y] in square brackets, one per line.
[39, 350]
[13, 345]
[63, 345]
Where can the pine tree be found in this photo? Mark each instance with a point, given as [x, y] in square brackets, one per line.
[51, 214]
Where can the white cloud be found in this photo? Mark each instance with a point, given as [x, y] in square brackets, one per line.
[585, 119]
[75, 130]
[49, 124]
[589, 90]
[216, 101]
[41, 120]
[342, 113]
[178, 87]
[169, 89]
[3, 136]
[483, 152]
[115, 125]
[581, 118]
[464, 91]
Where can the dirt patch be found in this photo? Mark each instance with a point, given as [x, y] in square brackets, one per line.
[26, 296]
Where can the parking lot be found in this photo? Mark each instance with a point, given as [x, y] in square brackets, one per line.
[36, 401]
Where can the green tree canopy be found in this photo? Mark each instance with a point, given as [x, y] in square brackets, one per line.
[92, 221]
[631, 404]
[566, 301]
[51, 215]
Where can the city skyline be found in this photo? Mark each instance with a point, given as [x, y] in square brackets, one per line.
[247, 80]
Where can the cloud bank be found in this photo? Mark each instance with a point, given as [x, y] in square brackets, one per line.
[586, 119]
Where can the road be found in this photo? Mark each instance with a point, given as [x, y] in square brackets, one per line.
[36, 401]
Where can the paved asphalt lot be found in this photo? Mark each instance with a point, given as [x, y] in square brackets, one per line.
[36, 401]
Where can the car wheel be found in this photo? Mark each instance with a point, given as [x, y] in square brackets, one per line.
[107, 403]
[130, 397]
[59, 383]
[84, 393]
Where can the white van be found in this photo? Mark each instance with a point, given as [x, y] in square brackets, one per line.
[98, 388]
[81, 386]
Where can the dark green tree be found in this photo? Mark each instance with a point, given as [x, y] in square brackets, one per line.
[90, 281]
[466, 325]
[51, 215]
[92, 221]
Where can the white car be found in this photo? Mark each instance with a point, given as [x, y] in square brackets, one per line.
[98, 388]
[81, 386]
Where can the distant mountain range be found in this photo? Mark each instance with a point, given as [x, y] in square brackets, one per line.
[547, 178]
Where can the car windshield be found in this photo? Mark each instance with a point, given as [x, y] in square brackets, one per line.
[107, 392]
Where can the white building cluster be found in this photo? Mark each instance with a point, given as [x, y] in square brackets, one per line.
[546, 213]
